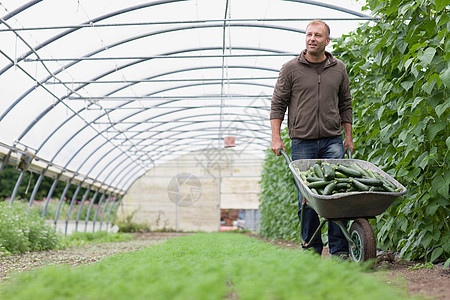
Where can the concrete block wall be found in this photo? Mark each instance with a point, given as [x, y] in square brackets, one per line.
[187, 193]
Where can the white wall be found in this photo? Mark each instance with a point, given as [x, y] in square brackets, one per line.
[201, 176]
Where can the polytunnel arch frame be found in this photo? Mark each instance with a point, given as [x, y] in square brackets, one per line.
[100, 76]
[126, 117]
[118, 89]
[96, 180]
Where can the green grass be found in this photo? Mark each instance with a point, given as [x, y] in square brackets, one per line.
[98, 237]
[204, 266]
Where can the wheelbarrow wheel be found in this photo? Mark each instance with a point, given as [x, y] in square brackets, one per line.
[365, 245]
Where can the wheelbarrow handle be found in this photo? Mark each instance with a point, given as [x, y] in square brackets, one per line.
[286, 156]
[349, 153]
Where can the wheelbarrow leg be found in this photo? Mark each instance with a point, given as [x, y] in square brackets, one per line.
[345, 233]
[315, 234]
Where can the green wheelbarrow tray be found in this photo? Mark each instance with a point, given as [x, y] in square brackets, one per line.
[346, 205]
[356, 206]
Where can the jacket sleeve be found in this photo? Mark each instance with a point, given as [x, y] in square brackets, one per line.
[345, 98]
[281, 95]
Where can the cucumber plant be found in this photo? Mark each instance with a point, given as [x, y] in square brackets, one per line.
[399, 71]
[279, 219]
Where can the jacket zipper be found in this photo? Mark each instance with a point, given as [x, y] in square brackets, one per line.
[318, 106]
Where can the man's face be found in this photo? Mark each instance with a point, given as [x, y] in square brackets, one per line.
[316, 39]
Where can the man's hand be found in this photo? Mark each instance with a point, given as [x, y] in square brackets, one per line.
[348, 141]
[348, 144]
[277, 143]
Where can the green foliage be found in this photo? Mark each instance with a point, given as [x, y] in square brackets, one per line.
[400, 78]
[278, 197]
[52, 208]
[133, 227]
[126, 224]
[204, 266]
[8, 179]
[419, 266]
[22, 232]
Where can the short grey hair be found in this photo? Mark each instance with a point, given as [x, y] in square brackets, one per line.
[320, 22]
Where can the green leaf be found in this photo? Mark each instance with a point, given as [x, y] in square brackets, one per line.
[416, 102]
[373, 4]
[442, 107]
[422, 161]
[415, 70]
[440, 4]
[433, 129]
[428, 56]
[385, 133]
[404, 8]
[436, 253]
[427, 239]
[431, 208]
[407, 85]
[445, 77]
[440, 185]
[447, 141]
[408, 63]
[447, 263]
[380, 112]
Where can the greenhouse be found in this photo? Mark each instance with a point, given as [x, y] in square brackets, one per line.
[156, 116]
[109, 100]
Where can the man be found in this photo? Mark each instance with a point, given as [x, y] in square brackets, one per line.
[314, 88]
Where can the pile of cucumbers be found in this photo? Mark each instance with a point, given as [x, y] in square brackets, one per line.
[325, 178]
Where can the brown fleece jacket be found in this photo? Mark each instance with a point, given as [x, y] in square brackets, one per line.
[317, 104]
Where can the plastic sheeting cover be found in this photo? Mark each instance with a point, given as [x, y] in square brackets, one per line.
[109, 89]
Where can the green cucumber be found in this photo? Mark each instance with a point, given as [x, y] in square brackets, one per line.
[329, 188]
[388, 188]
[359, 185]
[376, 189]
[328, 172]
[313, 179]
[357, 167]
[352, 189]
[318, 170]
[342, 185]
[338, 174]
[348, 171]
[371, 181]
[309, 172]
[371, 174]
[386, 182]
[302, 175]
[343, 180]
[318, 184]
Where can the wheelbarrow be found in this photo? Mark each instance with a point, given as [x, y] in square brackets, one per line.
[355, 207]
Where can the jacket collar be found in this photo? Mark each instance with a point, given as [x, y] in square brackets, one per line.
[331, 60]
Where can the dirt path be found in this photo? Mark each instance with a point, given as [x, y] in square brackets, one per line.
[75, 256]
[434, 283]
